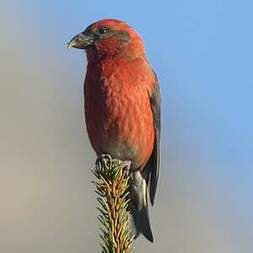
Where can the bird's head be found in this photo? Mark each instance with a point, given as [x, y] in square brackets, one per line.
[108, 37]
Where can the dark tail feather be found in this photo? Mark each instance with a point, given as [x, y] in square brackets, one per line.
[138, 206]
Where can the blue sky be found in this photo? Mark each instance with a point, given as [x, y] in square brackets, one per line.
[202, 52]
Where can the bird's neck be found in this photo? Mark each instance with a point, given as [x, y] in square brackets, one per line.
[109, 65]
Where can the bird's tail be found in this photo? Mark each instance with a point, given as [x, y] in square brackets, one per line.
[138, 205]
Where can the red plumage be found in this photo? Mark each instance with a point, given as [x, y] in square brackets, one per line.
[122, 108]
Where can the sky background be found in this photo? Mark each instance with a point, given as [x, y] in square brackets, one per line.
[202, 52]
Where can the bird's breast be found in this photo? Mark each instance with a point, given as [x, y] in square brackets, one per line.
[119, 117]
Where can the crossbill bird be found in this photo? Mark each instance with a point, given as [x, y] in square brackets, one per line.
[122, 108]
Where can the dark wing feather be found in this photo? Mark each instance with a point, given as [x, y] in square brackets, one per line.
[154, 162]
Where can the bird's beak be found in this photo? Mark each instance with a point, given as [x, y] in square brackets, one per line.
[80, 41]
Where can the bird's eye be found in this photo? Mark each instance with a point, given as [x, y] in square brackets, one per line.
[103, 30]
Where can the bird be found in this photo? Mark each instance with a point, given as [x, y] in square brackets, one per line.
[122, 109]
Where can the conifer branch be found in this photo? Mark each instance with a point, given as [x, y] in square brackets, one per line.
[112, 176]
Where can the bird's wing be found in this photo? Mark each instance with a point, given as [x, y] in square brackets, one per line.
[154, 162]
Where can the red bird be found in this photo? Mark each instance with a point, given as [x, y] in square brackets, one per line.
[122, 108]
